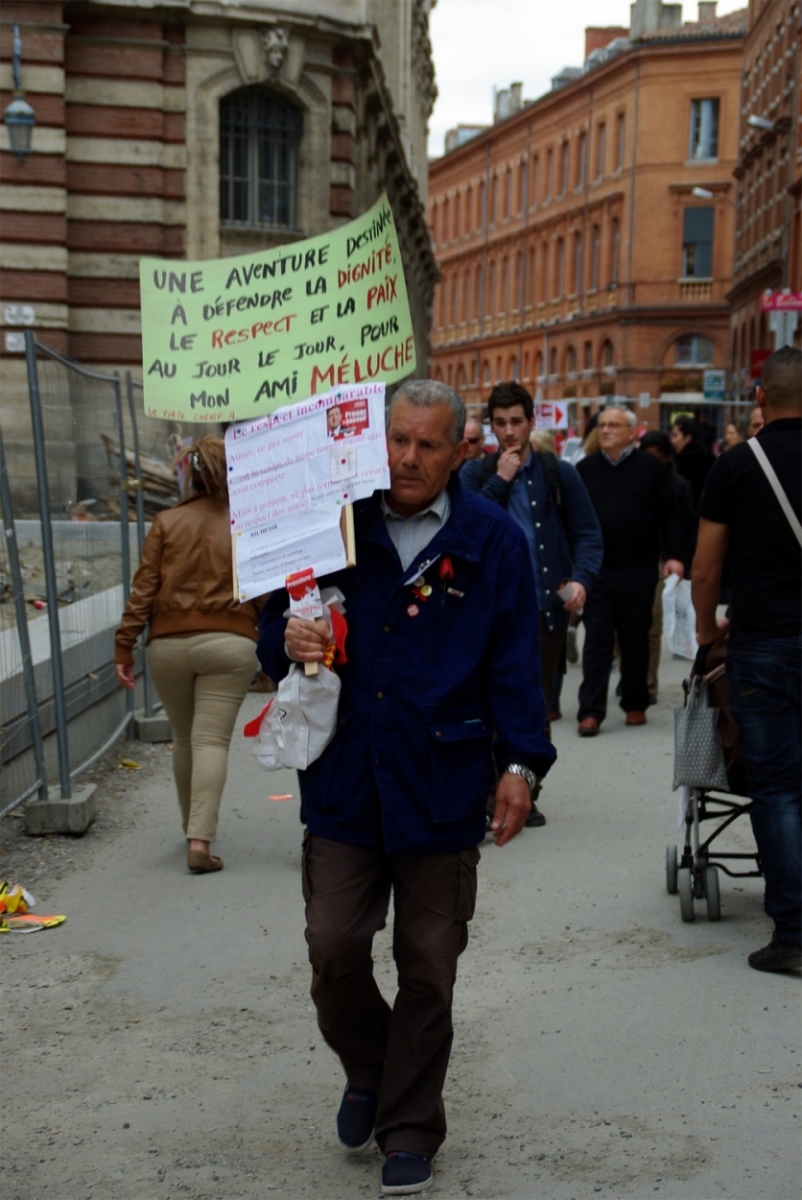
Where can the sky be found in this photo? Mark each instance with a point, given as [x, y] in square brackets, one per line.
[479, 44]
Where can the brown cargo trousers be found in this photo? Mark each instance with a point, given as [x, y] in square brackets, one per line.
[404, 1050]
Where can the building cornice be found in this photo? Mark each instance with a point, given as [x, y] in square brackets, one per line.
[627, 59]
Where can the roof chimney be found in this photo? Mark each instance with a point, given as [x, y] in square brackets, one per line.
[707, 11]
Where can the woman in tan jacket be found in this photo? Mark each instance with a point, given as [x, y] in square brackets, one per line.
[201, 641]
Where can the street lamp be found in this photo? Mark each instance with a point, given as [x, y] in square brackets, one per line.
[19, 118]
[705, 194]
[768, 126]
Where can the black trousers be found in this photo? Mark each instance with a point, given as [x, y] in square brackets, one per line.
[620, 602]
[552, 661]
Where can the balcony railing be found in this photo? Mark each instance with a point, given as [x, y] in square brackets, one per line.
[695, 291]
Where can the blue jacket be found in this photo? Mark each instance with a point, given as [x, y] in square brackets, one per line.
[429, 697]
[569, 547]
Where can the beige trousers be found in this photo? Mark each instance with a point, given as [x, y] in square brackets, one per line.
[201, 680]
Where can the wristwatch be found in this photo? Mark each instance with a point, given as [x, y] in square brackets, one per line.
[524, 772]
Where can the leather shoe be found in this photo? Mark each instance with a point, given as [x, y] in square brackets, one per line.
[777, 956]
[202, 864]
[535, 818]
[588, 727]
[635, 717]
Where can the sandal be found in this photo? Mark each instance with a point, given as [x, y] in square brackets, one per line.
[201, 864]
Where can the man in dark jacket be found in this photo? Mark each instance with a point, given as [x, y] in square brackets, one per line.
[742, 514]
[441, 688]
[631, 494]
[547, 498]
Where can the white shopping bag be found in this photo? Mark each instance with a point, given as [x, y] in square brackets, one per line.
[299, 722]
[297, 725]
[679, 617]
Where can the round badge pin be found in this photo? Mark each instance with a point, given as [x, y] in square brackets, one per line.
[413, 610]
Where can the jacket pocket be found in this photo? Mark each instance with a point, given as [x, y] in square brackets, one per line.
[462, 768]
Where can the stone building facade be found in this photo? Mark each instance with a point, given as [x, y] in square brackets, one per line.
[574, 253]
[193, 130]
[768, 228]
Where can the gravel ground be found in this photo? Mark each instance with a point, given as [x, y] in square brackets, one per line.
[162, 1043]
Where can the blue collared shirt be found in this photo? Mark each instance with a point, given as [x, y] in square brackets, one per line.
[614, 462]
[411, 535]
[521, 501]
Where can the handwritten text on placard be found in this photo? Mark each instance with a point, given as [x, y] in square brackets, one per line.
[235, 338]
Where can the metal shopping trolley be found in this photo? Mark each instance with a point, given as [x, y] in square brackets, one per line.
[694, 873]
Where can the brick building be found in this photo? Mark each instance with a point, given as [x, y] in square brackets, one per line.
[195, 130]
[574, 253]
[768, 231]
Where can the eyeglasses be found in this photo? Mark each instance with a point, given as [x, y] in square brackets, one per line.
[613, 425]
[473, 441]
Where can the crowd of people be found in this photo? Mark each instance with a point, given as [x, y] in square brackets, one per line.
[471, 570]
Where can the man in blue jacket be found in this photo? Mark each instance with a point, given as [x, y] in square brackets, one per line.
[440, 692]
[546, 497]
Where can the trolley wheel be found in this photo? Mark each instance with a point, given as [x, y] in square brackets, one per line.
[671, 870]
[712, 894]
[685, 889]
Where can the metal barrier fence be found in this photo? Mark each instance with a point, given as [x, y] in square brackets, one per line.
[71, 537]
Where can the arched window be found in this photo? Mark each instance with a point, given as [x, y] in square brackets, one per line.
[514, 368]
[260, 133]
[614, 253]
[693, 349]
[570, 360]
[462, 378]
[595, 243]
[577, 263]
[559, 270]
[607, 355]
[454, 299]
[539, 365]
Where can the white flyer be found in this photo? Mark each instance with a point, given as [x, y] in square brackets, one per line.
[290, 475]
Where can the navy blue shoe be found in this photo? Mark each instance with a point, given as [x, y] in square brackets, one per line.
[356, 1119]
[403, 1174]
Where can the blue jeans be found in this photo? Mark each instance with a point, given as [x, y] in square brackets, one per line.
[764, 690]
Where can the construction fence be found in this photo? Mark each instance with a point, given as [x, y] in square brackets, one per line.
[75, 515]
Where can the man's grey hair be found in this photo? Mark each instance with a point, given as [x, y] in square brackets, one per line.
[632, 420]
[428, 393]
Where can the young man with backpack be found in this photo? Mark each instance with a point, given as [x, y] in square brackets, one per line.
[546, 497]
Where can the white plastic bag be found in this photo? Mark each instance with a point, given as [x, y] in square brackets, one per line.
[297, 725]
[299, 722]
[679, 617]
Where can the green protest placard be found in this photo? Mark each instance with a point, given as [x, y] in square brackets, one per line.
[235, 338]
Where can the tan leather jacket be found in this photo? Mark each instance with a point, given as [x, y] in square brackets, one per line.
[184, 583]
